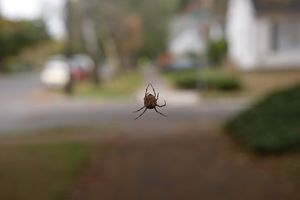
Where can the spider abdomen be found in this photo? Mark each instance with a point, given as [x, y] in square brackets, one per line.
[150, 101]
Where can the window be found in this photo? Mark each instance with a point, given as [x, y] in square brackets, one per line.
[286, 35]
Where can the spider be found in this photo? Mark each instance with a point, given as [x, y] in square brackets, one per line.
[150, 102]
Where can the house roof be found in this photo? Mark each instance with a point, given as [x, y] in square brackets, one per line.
[277, 5]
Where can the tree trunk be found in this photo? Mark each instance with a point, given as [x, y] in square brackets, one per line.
[111, 50]
[91, 44]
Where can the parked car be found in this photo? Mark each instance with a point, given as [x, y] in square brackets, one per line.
[81, 66]
[56, 73]
[59, 71]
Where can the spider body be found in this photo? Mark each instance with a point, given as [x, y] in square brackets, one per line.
[150, 102]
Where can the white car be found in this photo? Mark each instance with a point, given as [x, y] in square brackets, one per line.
[56, 73]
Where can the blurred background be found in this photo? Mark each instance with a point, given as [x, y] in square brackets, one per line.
[72, 72]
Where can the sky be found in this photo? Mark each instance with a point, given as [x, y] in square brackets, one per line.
[50, 10]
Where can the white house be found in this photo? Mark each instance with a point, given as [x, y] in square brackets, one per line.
[264, 33]
[185, 35]
[193, 27]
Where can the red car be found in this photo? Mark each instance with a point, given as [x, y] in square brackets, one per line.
[81, 67]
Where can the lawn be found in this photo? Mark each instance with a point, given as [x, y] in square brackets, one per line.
[261, 83]
[121, 87]
[40, 171]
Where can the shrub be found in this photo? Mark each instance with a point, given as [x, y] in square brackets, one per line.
[272, 125]
[222, 81]
[215, 80]
[183, 79]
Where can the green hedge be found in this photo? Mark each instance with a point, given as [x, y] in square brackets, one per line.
[215, 80]
[272, 125]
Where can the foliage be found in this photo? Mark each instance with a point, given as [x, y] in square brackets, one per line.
[123, 86]
[272, 125]
[155, 16]
[182, 4]
[17, 35]
[217, 51]
[215, 80]
[40, 171]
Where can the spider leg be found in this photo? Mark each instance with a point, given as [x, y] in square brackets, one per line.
[162, 105]
[141, 114]
[139, 109]
[153, 89]
[160, 113]
[157, 96]
[147, 89]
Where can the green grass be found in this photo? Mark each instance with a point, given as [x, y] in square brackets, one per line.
[40, 171]
[215, 80]
[121, 87]
[272, 125]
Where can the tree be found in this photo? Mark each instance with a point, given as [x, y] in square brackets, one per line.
[121, 30]
[155, 15]
[17, 35]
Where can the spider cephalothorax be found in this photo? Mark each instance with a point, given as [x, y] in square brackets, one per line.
[150, 102]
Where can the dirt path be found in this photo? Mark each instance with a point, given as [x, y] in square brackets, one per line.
[192, 162]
